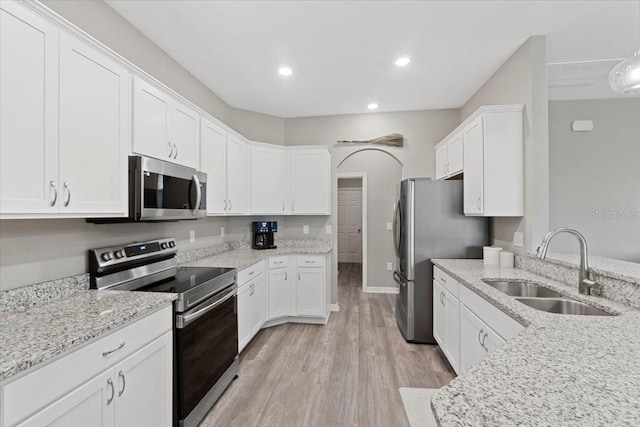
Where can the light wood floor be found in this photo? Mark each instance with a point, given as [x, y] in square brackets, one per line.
[345, 373]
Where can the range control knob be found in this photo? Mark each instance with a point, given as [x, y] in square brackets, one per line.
[164, 245]
[172, 244]
[119, 254]
[106, 256]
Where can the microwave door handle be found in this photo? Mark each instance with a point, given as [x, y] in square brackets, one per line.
[198, 194]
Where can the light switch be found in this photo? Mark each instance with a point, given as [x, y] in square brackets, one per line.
[192, 236]
[389, 227]
[518, 239]
[389, 266]
[222, 231]
[305, 229]
[328, 230]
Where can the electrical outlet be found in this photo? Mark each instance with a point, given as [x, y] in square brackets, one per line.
[222, 231]
[389, 266]
[518, 239]
[389, 226]
[328, 230]
[192, 236]
[305, 229]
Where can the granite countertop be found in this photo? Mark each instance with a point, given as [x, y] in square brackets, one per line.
[243, 258]
[35, 334]
[561, 370]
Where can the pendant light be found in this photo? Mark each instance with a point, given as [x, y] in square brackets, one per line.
[625, 77]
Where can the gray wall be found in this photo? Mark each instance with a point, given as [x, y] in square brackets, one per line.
[102, 22]
[383, 175]
[594, 176]
[522, 79]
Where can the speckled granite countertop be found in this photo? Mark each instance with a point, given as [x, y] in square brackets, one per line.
[243, 258]
[623, 270]
[33, 335]
[561, 370]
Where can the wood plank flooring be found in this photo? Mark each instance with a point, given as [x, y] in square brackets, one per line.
[345, 373]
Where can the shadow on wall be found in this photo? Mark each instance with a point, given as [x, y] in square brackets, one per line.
[384, 173]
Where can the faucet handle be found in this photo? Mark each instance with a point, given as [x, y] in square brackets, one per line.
[591, 286]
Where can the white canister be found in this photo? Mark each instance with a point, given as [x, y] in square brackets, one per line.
[507, 259]
[491, 255]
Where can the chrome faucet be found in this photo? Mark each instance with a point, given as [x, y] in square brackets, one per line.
[585, 285]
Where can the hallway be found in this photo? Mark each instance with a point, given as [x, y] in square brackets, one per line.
[346, 373]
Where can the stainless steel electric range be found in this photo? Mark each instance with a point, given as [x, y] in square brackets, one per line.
[206, 321]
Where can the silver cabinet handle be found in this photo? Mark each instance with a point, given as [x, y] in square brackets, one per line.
[176, 155]
[285, 275]
[124, 383]
[282, 206]
[66, 187]
[299, 275]
[480, 337]
[293, 207]
[310, 262]
[230, 205]
[113, 391]
[55, 193]
[170, 152]
[444, 280]
[107, 353]
[198, 194]
[278, 262]
[251, 272]
[225, 205]
[484, 338]
[478, 203]
[444, 299]
[253, 289]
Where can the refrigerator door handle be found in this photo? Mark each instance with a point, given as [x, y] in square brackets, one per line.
[396, 228]
[399, 280]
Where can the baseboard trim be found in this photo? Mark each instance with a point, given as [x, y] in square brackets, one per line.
[297, 319]
[334, 307]
[382, 290]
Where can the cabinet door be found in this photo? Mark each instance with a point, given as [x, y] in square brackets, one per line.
[144, 386]
[441, 162]
[28, 112]
[244, 315]
[268, 180]
[472, 337]
[94, 138]
[259, 303]
[439, 316]
[310, 292]
[279, 295]
[473, 185]
[237, 176]
[213, 161]
[310, 174]
[184, 134]
[91, 405]
[151, 110]
[455, 155]
[452, 340]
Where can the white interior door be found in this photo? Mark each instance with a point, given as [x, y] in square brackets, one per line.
[350, 225]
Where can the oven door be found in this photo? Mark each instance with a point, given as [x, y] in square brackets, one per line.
[168, 191]
[206, 345]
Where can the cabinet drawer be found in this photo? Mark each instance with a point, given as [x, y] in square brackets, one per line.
[28, 394]
[278, 261]
[310, 261]
[447, 282]
[251, 272]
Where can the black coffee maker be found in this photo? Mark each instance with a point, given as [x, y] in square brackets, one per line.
[263, 234]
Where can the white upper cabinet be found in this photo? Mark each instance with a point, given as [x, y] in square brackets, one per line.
[268, 179]
[94, 138]
[163, 127]
[213, 161]
[494, 162]
[28, 112]
[310, 177]
[449, 160]
[237, 175]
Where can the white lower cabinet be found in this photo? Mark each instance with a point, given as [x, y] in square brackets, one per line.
[252, 303]
[95, 386]
[466, 326]
[310, 291]
[281, 287]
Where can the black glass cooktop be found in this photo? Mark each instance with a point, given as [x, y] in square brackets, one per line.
[187, 278]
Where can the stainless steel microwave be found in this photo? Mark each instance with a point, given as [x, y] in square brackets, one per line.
[163, 191]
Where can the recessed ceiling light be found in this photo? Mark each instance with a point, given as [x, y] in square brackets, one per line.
[285, 71]
[402, 61]
[372, 106]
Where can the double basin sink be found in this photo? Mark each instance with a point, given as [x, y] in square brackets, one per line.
[544, 299]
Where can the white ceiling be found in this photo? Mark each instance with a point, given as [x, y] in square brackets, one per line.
[342, 52]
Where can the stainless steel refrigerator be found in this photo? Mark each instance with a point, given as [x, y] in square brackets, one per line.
[429, 223]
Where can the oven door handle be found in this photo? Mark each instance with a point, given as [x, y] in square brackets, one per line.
[182, 320]
[198, 194]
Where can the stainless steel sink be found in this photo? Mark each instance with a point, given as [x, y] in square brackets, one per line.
[522, 289]
[563, 306]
